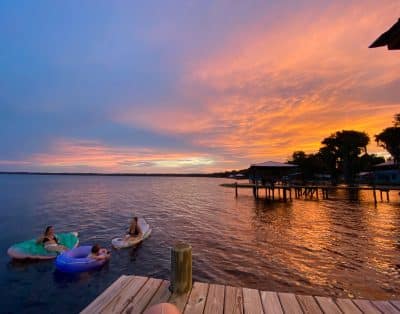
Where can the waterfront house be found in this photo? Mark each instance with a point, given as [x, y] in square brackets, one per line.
[270, 172]
[387, 173]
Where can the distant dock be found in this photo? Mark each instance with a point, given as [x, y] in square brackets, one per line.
[284, 192]
[134, 294]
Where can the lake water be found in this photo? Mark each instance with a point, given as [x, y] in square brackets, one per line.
[335, 247]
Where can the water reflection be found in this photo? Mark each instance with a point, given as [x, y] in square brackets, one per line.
[344, 246]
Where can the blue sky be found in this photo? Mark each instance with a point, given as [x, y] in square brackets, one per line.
[187, 86]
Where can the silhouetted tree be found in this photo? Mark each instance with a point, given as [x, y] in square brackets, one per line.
[342, 150]
[329, 158]
[396, 121]
[389, 139]
[309, 164]
[366, 162]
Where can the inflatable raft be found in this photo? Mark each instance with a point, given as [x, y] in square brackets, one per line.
[32, 250]
[120, 243]
[77, 260]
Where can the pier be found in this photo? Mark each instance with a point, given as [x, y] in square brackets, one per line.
[134, 294]
[284, 192]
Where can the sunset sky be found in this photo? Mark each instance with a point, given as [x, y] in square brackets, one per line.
[188, 86]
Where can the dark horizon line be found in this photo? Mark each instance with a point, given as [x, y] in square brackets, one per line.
[215, 174]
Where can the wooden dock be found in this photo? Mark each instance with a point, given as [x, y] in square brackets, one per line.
[134, 294]
[284, 192]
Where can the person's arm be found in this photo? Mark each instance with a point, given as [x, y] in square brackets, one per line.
[40, 240]
[102, 257]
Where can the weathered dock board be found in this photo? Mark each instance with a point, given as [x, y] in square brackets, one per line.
[134, 294]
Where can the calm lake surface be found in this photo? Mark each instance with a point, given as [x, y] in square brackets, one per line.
[336, 247]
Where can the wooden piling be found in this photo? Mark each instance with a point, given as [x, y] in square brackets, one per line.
[181, 268]
[236, 189]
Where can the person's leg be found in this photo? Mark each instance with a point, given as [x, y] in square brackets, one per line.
[55, 248]
[162, 308]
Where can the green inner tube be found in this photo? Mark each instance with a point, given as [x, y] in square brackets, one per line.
[32, 249]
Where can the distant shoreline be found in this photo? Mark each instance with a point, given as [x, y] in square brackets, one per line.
[206, 175]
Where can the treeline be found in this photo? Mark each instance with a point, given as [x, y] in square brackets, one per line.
[344, 154]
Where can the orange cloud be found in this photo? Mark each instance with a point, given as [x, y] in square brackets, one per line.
[270, 91]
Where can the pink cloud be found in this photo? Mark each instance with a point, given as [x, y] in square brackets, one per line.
[84, 155]
[269, 91]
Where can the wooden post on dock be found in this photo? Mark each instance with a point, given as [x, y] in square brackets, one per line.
[374, 191]
[181, 268]
[236, 190]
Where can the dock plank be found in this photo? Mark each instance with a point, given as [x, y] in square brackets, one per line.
[215, 299]
[347, 306]
[104, 298]
[197, 298]
[233, 300]
[179, 300]
[252, 301]
[289, 303]
[162, 294]
[270, 302]
[143, 297]
[328, 305]
[125, 295]
[386, 307]
[396, 303]
[308, 304]
[366, 306]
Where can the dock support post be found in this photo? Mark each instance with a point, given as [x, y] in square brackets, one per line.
[181, 268]
[236, 190]
[374, 191]
[387, 195]
[381, 195]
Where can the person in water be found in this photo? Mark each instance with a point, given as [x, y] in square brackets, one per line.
[50, 241]
[98, 253]
[134, 230]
